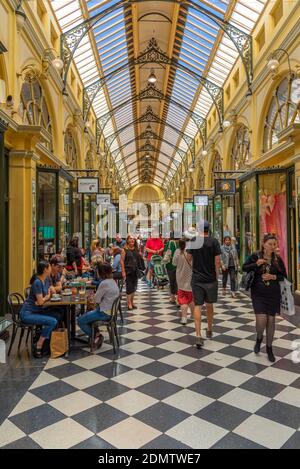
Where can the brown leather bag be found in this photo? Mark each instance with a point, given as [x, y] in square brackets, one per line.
[90, 301]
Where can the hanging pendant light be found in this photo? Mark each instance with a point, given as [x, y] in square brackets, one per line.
[152, 77]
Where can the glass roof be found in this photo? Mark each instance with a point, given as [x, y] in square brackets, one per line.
[104, 53]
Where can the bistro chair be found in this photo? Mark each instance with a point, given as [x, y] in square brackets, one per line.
[15, 303]
[111, 325]
[120, 285]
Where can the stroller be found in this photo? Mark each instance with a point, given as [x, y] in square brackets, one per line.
[160, 275]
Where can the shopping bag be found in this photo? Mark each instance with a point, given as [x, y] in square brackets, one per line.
[287, 305]
[59, 343]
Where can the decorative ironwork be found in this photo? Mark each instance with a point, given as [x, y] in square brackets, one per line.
[151, 92]
[215, 91]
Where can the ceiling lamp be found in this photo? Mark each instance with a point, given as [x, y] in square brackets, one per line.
[58, 63]
[152, 78]
[273, 64]
[147, 155]
[204, 152]
[226, 124]
[182, 179]
[191, 168]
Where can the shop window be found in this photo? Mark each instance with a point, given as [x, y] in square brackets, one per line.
[273, 209]
[64, 214]
[46, 209]
[283, 111]
[277, 12]
[249, 214]
[70, 148]
[34, 107]
[240, 152]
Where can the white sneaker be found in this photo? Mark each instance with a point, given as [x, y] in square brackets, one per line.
[183, 321]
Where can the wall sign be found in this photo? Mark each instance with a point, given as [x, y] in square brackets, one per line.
[201, 200]
[103, 199]
[87, 185]
[225, 186]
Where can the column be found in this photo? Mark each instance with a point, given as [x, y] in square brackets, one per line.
[22, 217]
[3, 222]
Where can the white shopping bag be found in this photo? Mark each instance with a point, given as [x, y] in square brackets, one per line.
[287, 305]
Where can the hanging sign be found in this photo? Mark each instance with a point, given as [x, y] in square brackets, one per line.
[225, 186]
[103, 199]
[201, 200]
[87, 185]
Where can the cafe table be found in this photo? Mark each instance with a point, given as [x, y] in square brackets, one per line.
[70, 302]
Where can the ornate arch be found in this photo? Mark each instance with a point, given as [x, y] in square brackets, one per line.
[33, 105]
[70, 149]
[283, 111]
[240, 151]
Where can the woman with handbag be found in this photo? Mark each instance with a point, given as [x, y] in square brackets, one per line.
[131, 265]
[229, 264]
[184, 272]
[171, 269]
[268, 270]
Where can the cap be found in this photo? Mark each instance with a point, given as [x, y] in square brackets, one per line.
[190, 233]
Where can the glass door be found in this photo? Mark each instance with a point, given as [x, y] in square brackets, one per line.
[218, 232]
[46, 213]
[64, 214]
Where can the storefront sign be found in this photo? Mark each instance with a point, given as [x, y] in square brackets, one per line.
[87, 185]
[225, 186]
[103, 199]
[201, 200]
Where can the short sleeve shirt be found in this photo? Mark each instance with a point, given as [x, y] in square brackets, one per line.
[37, 288]
[155, 244]
[204, 269]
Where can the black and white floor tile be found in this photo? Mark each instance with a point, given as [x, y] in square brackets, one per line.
[159, 391]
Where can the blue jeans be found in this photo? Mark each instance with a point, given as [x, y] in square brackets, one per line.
[85, 320]
[48, 322]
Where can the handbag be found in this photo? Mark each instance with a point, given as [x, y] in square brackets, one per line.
[90, 301]
[167, 256]
[59, 342]
[287, 305]
[247, 280]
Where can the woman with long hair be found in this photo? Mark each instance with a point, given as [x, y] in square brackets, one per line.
[105, 295]
[74, 256]
[131, 263]
[32, 311]
[269, 270]
[184, 272]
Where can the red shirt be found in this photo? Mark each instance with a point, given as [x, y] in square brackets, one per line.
[155, 244]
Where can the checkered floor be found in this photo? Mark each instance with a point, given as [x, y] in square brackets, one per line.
[159, 391]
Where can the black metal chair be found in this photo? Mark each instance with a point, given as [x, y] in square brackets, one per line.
[120, 285]
[15, 303]
[111, 325]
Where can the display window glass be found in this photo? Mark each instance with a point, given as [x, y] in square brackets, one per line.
[273, 209]
[46, 206]
[249, 217]
[218, 218]
[64, 221]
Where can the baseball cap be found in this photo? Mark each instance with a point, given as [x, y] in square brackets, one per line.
[56, 261]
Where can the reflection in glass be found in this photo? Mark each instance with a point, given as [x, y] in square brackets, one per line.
[46, 214]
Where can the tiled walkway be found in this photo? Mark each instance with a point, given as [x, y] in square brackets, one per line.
[161, 392]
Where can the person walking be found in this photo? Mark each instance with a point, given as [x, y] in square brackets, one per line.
[206, 267]
[154, 245]
[269, 269]
[184, 278]
[229, 264]
[170, 249]
[131, 263]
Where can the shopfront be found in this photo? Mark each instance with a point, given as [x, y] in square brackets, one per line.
[54, 212]
[268, 206]
[224, 216]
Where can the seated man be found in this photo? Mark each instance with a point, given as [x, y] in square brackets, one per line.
[57, 275]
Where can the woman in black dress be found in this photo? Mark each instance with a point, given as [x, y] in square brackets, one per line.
[269, 270]
[131, 263]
